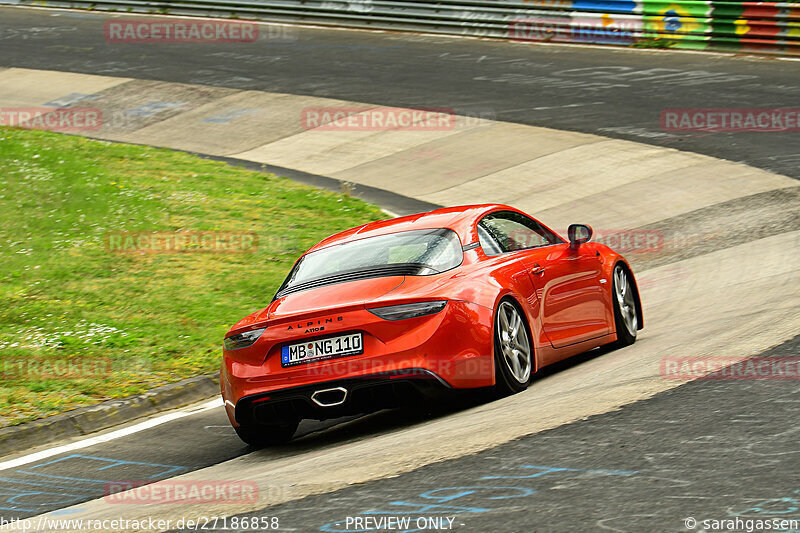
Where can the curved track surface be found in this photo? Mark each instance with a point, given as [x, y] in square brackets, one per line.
[613, 92]
[702, 297]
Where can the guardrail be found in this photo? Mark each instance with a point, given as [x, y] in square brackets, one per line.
[755, 27]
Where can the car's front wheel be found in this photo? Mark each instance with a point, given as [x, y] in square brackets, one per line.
[261, 435]
[626, 313]
[513, 355]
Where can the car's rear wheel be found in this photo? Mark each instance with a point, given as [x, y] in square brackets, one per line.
[513, 355]
[626, 313]
[266, 434]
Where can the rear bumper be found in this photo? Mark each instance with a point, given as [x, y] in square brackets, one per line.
[454, 345]
[332, 399]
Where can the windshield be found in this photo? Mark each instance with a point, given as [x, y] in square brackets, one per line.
[415, 253]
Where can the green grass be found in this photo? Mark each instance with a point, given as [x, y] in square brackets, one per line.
[156, 317]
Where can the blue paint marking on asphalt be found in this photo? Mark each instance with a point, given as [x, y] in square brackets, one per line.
[151, 108]
[71, 99]
[466, 491]
[39, 483]
[444, 495]
[10, 496]
[776, 509]
[422, 509]
[56, 490]
[549, 470]
[230, 115]
[774, 506]
[168, 469]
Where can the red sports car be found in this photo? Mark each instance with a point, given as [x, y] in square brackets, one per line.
[457, 298]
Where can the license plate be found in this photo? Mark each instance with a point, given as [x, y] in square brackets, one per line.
[318, 349]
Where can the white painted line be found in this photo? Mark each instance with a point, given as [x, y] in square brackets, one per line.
[124, 432]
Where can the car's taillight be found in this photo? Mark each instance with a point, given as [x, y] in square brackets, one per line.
[412, 310]
[243, 340]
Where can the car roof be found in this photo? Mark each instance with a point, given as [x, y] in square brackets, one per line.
[460, 219]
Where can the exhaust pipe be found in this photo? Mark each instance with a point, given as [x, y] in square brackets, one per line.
[329, 397]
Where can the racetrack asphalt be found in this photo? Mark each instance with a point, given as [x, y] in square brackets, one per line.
[608, 91]
[708, 450]
[670, 440]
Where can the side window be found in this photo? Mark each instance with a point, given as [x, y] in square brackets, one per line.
[513, 231]
[488, 243]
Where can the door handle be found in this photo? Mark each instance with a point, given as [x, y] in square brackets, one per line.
[537, 269]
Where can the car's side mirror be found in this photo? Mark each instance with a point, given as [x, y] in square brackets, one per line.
[579, 234]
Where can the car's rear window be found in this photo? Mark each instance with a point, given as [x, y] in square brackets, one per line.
[416, 252]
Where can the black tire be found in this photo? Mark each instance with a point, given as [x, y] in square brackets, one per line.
[626, 306]
[509, 380]
[261, 435]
